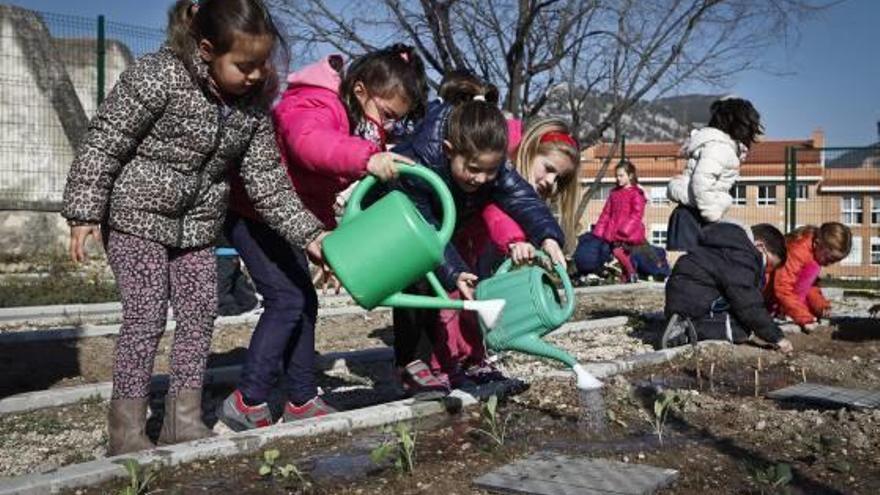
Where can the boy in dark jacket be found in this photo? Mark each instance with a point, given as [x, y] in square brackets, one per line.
[714, 292]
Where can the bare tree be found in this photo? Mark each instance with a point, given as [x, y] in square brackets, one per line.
[568, 50]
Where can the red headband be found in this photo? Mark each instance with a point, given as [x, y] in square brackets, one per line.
[559, 137]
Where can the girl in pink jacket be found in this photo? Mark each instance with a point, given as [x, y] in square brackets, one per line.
[331, 129]
[621, 223]
[547, 156]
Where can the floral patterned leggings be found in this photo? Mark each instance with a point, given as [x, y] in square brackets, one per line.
[148, 275]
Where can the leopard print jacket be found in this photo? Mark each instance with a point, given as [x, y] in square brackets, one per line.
[154, 161]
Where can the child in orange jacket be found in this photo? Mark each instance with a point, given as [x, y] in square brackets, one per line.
[794, 291]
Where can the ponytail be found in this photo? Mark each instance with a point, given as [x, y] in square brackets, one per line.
[476, 124]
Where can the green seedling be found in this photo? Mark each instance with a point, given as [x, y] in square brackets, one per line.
[662, 405]
[493, 426]
[774, 478]
[139, 478]
[288, 472]
[402, 446]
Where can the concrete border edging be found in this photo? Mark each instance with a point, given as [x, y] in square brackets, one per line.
[81, 314]
[102, 470]
[604, 369]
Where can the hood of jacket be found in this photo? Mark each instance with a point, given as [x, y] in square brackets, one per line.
[727, 235]
[320, 74]
[701, 137]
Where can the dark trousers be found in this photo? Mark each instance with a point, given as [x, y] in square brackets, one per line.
[284, 339]
[714, 325]
[683, 229]
[414, 329]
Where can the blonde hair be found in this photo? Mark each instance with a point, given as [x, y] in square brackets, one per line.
[833, 236]
[569, 189]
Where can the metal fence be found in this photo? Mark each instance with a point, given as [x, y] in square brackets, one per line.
[54, 71]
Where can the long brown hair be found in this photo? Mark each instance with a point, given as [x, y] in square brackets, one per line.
[569, 190]
[476, 124]
[217, 21]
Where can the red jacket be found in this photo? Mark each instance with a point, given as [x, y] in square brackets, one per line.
[622, 217]
[795, 292]
[314, 136]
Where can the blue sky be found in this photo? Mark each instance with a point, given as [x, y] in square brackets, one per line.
[832, 76]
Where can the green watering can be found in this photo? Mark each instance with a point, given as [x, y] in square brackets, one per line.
[533, 310]
[379, 251]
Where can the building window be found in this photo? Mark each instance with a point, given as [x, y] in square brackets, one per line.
[658, 196]
[738, 193]
[803, 192]
[766, 195]
[851, 210]
[658, 234]
[602, 192]
[875, 210]
[875, 250]
[855, 254]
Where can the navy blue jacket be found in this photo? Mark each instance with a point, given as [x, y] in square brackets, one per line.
[724, 263]
[508, 190]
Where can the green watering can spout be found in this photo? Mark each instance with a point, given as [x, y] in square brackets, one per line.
[533, 310]
[379, 251]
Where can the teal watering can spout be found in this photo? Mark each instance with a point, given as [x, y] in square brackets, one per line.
[533, 310]
[379, 251]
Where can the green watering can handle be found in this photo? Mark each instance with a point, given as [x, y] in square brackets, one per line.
[560, 270]
[353, 208]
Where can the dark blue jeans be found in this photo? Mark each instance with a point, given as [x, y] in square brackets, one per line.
[284, 339]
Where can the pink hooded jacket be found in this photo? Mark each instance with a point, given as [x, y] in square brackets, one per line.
[622, 217]
[314, 136]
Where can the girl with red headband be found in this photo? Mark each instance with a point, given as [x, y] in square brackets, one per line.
[547, 157]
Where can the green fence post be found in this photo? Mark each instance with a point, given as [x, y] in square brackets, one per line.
[102, 56]
[792, 219]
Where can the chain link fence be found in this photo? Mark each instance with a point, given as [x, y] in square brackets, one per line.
[54, 71]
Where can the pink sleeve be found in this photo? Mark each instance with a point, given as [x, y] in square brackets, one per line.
[310, 130]
[633, 229]
[503, 231]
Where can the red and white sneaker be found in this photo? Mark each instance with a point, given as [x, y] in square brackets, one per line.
[420, 383]
[238, 416]
[314, 408]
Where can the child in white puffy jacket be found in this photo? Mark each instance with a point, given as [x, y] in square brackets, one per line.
[714, 154]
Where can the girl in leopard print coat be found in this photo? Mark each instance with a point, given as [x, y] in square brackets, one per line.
[152, 172]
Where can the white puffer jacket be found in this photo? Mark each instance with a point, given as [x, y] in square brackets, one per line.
[712, 169]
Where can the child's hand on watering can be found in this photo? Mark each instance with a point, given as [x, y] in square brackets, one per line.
[551, 247]
[465, 283]
[384, 165]
[520, 252]
[325, 275]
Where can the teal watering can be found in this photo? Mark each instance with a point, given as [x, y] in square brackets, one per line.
[533, 310]
[379, 251]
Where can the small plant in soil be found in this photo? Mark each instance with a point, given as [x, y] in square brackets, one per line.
[662, 404]
[774, 479]
[288, 472]
[401, 445]
[494, 427]
[139, 478]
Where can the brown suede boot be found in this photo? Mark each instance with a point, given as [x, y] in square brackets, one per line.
[126, 422]
[183, 418]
